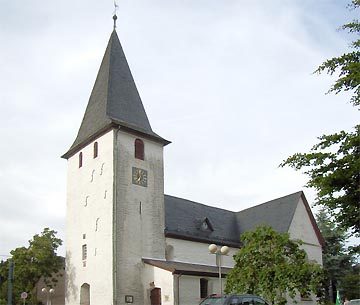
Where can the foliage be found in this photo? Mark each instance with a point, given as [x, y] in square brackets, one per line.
[271, 265]
[338, 262]
[347, 65]
[351, 282]
[37, 260]
[333, 166]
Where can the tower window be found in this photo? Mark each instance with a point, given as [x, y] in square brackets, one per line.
[84, 252]
[139, 149]
[95, 149]
[80, 159]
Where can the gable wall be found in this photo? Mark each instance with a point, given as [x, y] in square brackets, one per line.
[302, 228]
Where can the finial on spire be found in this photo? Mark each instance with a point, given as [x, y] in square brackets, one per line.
[114, 16]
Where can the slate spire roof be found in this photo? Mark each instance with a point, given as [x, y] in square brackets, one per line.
[114, 101]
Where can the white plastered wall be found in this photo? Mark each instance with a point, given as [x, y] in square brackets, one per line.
[302, 229]
[89, 221]
[139, 213]
[189, 288]
[197, 253]
[156, 277]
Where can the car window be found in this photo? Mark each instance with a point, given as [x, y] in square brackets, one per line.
[258, 301]
[235, 301]
[213, 301]
[247, 301]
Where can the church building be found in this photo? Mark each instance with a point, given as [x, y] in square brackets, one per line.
[126, 241]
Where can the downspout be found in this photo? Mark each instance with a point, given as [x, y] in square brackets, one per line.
[115, 168]
[177, 286]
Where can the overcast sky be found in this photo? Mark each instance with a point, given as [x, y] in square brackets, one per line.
[229, 82]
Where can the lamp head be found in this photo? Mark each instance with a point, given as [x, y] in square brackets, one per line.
[213, 248]
[225, 250]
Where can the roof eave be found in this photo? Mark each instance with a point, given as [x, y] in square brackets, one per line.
[115, 125]
[182, 236]
[313, 221]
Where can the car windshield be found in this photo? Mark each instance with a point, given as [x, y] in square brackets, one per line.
[215, 300]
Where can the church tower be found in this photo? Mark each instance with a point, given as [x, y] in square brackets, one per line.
[115, 191]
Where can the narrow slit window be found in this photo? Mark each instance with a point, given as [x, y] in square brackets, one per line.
[96, 147]
[84, 252]
[139, 149]
[80, 159]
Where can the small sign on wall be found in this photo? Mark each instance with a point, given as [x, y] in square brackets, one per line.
[129, 299]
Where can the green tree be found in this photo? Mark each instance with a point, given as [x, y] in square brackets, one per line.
[271, 265]
[347, 65]
[351, 282]
[338, 261]
[333, 165]
[37, 260]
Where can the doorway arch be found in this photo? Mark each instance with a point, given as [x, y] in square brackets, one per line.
[85, 294]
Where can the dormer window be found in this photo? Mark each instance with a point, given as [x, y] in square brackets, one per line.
[139, 149]
[80, 159]
[95, 149]
[206, 225]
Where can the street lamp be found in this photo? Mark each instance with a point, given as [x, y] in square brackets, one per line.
[48, 292]
[219, 252]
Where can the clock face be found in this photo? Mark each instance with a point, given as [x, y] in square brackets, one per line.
[139, 176]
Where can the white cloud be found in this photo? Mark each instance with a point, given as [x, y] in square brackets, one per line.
[229, 82]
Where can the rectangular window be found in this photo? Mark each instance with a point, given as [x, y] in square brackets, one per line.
[203, 288]
[96, 148]
[84, 252]
[80, 160]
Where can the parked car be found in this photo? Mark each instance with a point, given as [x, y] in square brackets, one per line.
[355, 302]
[233, 299]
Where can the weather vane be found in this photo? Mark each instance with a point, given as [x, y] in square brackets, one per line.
[114, 16]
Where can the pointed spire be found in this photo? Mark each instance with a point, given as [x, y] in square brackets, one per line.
[114, 101]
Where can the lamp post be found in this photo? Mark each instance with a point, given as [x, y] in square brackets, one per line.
[219, 252]
[48, 292]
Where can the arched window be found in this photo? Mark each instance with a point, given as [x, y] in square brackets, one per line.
[169, 253]
[80, 160]
[85, 294]
[95, 149]
[139, 149]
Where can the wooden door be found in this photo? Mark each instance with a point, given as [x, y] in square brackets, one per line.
[155, 296]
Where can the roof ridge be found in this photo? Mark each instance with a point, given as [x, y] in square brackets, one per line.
[199, 203]
[273, 200]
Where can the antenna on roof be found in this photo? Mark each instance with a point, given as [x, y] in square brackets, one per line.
[114, 16]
